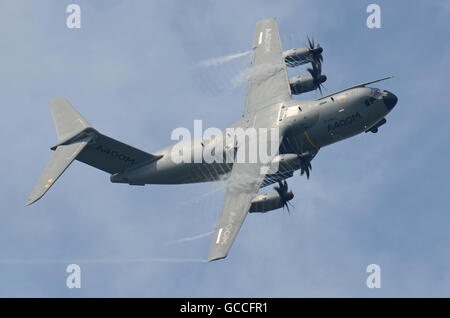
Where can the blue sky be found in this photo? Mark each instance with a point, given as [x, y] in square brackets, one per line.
[133, 71]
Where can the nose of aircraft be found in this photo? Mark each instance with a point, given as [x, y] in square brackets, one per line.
[390, 100]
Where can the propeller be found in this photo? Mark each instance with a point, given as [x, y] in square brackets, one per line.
[318, 78]
[285, 196]
[315, 51]
[316, 60]
[305, 164]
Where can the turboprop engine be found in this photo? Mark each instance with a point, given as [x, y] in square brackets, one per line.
[297, 57]
[302, 84]
[271, 201]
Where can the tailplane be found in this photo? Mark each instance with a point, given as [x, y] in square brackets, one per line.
[78, 140]
[61, 159]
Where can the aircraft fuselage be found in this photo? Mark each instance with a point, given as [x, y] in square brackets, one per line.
[309, 126]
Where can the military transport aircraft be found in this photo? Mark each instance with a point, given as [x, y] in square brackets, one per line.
[304, 127]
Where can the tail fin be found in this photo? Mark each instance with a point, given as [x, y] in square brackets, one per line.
[78, 140]
[68, 121]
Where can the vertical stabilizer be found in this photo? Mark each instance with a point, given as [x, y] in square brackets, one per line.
[78, 140]
[68, 121]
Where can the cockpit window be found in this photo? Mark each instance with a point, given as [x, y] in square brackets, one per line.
[376, 93]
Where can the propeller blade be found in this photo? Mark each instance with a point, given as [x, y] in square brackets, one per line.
[305, 165]
[311, 46]
[320, 57]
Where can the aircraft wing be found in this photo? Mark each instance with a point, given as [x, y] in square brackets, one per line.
[243, 186]
[268, 82]
[268, 85]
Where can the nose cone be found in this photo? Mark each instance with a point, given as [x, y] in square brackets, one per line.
[390, 100]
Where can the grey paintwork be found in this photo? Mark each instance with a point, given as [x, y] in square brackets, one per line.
[305, 127]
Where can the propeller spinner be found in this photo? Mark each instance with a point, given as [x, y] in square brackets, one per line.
[284, 194]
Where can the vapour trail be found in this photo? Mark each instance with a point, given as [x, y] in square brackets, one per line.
[101, 261]
[240, 78]
[218, 186]
[223, 59]
[192, 238]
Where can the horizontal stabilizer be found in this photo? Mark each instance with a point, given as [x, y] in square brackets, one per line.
[79, 140]
[61, 159]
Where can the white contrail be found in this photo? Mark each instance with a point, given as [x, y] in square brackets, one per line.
[101, 261]
[192, 238]
[240, 78]
[218, 186]
[223, 59]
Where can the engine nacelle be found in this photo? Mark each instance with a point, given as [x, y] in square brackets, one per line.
[297, 57]
[269, 201]
[284, 163]
[302, 84]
